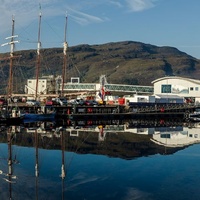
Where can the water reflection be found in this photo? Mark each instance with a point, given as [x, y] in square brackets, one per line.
[48, 150]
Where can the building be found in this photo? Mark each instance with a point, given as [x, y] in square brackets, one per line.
[187, 88]
[46, 85]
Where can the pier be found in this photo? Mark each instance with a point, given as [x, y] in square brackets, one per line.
[105, 112]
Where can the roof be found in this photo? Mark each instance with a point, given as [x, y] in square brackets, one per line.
[176, 77]
[168, 96]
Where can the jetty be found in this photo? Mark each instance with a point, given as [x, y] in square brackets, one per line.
[14, 114]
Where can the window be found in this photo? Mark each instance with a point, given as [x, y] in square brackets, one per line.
[196, 89]
[166, 89]
[191, 89]
[165, 135]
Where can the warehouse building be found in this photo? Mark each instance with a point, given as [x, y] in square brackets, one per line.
[187, 88]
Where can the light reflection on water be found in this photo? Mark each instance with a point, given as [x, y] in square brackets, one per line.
[136, 163]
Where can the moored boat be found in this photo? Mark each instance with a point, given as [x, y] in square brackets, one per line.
[195, 117]
[31, 117]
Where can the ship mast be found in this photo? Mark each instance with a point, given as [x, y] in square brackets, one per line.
[12, 45]
[65, 46]
[38, 55]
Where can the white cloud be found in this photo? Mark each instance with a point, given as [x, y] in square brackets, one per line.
[140, 5]
[116, 3]
[23, 10]
[83, 18]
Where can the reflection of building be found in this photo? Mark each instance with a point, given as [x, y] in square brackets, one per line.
[176, 137]
[172, 135]
[173, 85]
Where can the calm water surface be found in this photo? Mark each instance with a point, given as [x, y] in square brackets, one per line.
[143, 172]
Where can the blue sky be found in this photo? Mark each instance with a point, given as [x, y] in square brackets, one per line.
[173, 23]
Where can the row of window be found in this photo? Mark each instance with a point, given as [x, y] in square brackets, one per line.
[34, 81]
[168, 135]
[177, 90]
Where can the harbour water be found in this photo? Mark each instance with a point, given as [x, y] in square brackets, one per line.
[99, 163]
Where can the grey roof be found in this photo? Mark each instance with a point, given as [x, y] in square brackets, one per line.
[168, 96]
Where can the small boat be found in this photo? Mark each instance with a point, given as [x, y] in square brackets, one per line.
[195, 117]
[31, 117]
[27, 118]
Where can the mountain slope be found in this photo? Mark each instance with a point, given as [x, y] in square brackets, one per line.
[125, 62]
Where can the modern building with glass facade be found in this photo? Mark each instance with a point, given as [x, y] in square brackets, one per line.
[183, 87]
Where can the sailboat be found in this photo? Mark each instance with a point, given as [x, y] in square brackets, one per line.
[47, 116]
[30, 117]
[34, 117]
[12, 118]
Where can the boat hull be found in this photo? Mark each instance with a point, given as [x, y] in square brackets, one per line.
[38, 117]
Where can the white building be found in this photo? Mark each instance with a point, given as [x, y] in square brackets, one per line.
[46, 85]
[183, 87]
[139, 99]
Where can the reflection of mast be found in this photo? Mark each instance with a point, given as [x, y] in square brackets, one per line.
[63, 160]
[36, 164]
[9, 175]
[9, 137]
[101, 133]
[38, 57]
[65, 59]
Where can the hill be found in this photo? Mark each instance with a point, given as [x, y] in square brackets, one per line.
[125, 62]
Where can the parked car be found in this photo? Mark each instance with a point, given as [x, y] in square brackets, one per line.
[91, 103]
[3, 101]
[80, 102]
[62, 101]
[31, 102]
[94, 103]
[87, 103]
[77, 102]
[51, 102]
